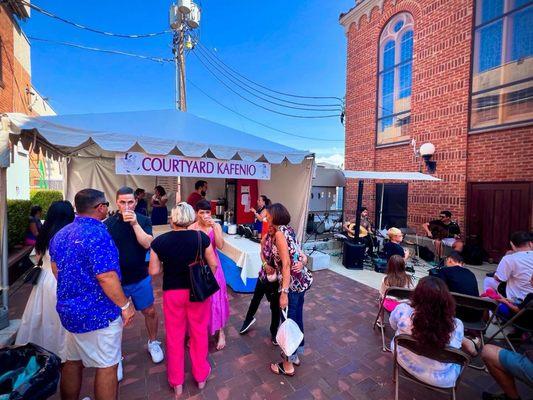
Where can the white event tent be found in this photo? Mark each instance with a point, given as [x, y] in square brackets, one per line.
[87, 144]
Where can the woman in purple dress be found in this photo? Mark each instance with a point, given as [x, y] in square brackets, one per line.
[219, 301]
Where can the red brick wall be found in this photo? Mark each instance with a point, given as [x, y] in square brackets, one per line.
[15, 79]
[439, 112]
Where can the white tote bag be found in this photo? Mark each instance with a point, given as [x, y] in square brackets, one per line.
[289, 335]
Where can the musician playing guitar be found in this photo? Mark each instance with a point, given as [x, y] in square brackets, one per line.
[444, 232]
[365, 230]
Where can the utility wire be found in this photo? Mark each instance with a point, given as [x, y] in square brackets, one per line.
[80, 26]
[164, 60]
[264, 87]
[240, 83]
[257, 122]
[122, 53]
[202, 57]
[259, 105]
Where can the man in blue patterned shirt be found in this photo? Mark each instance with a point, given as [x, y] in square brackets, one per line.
[90, 300]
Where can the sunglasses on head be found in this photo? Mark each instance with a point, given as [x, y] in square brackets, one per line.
[103, 203]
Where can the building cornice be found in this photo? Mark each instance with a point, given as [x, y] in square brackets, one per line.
[363, 8]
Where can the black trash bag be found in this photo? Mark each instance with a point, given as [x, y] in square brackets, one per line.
[42, 384]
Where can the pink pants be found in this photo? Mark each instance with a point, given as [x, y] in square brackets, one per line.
[181, 316]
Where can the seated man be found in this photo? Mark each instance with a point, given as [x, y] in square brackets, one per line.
[515, 269]
[444, 232]
[460, 280]
[393, 247]
[504, 366]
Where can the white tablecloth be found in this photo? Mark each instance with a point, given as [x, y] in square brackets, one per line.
[245, 253]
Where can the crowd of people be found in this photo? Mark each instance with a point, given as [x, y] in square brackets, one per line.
[97, 270]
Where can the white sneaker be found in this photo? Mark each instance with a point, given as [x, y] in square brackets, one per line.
[154, 348]
[120, 372]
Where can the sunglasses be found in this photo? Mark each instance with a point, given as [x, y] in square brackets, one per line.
[103, 203]
[442, 216]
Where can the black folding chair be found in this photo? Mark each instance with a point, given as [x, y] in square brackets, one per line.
[446, 355]
[398, 293]
[521, 321]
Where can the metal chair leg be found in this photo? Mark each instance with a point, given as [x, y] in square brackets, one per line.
[397, 383]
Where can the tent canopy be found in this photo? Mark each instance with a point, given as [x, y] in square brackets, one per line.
[391, 176]
[153, 132]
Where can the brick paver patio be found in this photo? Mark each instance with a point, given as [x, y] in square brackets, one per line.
[343, 358]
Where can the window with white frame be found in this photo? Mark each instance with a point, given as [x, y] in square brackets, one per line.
[502, 76]
[395, 76]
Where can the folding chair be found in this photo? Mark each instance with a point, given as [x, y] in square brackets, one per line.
[446, 355]
[400, 294]
[518, 321]
[484, 307]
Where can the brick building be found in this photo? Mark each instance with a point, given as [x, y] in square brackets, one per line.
[17, 94]
[457, 74]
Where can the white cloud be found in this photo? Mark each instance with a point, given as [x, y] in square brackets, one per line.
[333, 159]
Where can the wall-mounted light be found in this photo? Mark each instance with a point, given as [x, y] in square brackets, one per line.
[426, 151]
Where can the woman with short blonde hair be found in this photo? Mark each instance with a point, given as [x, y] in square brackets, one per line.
[172, 253]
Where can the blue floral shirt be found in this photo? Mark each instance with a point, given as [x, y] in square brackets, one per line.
[82, 250]
[430, 371]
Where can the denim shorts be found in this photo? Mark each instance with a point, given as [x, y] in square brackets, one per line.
[518, 365]
[141, 293]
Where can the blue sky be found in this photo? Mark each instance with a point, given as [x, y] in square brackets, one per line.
[291, 46]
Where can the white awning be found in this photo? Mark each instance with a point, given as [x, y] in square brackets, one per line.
[154, 132]
[390, 176]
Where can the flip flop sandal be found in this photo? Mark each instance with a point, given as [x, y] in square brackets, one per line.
[295, 364]
[281, 370]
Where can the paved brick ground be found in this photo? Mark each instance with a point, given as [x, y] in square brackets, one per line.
[343, 358]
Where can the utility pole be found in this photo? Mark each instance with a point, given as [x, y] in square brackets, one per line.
[184, 17]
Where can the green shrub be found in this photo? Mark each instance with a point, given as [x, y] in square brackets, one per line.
[45, 198]
[18, 213]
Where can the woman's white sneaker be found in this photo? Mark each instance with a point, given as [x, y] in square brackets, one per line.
[154, 348]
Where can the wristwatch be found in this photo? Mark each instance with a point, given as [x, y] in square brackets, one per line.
[125, 306]
[282, 290]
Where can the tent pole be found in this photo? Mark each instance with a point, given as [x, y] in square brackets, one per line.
[358, 212]
[3, 236]
[381, 205]
[5, 153]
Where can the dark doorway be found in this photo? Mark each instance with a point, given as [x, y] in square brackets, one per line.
[495, 211]
[394, 205]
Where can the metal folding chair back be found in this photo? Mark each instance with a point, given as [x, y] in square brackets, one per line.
[518, 321]
[446, 355]
[483, 305]
[400, 294]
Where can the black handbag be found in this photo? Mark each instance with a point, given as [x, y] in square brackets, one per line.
[33, 274]
[203, 282]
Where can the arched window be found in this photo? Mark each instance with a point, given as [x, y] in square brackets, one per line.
[395, 76]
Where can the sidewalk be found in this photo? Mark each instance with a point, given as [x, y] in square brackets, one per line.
[343, 358]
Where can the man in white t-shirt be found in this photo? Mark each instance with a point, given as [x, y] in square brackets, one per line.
[515, 269]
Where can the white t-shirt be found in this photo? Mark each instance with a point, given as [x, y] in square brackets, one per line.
[516, 269]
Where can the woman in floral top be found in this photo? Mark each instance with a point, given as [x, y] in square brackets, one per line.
[285, 255]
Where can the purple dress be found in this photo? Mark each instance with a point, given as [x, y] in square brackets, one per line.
[219, 301]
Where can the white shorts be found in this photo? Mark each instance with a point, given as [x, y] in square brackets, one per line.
[96, 349]
[449, 242]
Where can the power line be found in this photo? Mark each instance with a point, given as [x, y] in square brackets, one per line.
[260, 97]
[122, 53]
[80, 26]
[257, 122]
[259, 105]
[240, 83]
[265, 87]
[164, 60]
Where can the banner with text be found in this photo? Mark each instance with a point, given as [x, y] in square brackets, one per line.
[144, 164]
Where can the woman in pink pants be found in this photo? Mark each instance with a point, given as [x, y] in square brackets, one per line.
[172, 253]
